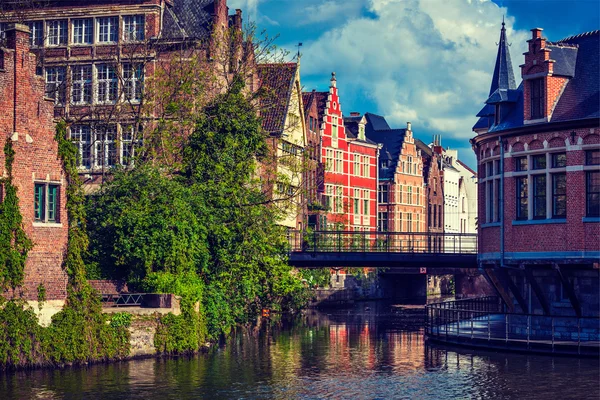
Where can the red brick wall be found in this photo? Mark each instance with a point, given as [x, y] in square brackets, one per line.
[575, 235]
[109, 286]
[36, 160]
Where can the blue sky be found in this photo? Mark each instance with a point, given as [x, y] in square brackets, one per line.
[429, 62]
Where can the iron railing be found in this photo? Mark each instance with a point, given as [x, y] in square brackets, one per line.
[122, 299]
[397, 242]
[483, 320]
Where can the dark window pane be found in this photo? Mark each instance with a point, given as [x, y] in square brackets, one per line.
[521, 164]
[539, 161]
[39, 202]
[52, 202]
[593, 194]
[539, 196]
[592, 157]
[559, 195]
[559, 160]
[537, 98]
[521, 192]
[490, 169]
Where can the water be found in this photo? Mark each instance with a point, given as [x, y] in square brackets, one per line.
[374, 351]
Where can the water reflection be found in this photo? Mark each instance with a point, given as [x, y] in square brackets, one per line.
[373, 351]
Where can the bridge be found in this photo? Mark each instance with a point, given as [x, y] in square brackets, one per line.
[439, 253]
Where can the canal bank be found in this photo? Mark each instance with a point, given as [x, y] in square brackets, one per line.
[366, 351]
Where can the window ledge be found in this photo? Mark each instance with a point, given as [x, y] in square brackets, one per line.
[540, 221]
[47, 225]
[491, 224]
[590, 219]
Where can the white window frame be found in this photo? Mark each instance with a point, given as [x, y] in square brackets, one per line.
[55, 83]
[81, 84]
[134, 28]
[85, 26]
[107, 84]
[133, 82]
[57, 32]
[107, 29]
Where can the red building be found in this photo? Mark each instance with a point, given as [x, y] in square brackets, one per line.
[27, 120]
[538, 151]
[349, 185]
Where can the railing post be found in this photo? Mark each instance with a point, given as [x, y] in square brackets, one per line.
[578, 335]
[528, 329]
[506, 323]
[314, 241]
[471, 326]
[553, 334]
[458, 324]
[489, 331]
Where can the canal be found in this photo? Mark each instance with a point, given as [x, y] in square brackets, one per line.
[372, 351]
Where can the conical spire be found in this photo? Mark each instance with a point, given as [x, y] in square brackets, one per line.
[504, 77]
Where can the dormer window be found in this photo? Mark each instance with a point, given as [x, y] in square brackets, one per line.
[537, 98]
[361, 132]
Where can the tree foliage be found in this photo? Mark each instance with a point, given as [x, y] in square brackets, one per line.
[206, 231]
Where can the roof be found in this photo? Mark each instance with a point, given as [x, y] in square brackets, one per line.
[277, 83]
[503, 78]
[191, 19]
[466, 167]
[378, 131]
[425, 150]
[576, 57]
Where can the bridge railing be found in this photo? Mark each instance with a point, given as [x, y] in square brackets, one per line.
[399, 242]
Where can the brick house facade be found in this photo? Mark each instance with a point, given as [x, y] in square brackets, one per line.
[402, 199]
[433, 178]
[349, 187]
[98, 56]
[27, 120]
[538, 152]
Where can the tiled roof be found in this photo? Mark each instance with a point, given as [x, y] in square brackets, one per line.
[503, 73]
[191, 19]
[467, 167]
[577, 57]
[425, 150]
[378, 130]
[277, 82]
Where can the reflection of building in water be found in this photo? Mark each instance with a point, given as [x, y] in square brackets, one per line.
[339, 346]
[406, 350]
[286, 356]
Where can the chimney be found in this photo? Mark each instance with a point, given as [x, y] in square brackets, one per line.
[333, 80]
[409, 126]
[536, 33]
[237, 20]
[355, 114]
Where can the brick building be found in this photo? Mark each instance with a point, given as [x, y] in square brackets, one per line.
[97, 57]
[402, 200]
[349, 185]
[538, 151]
[314, 169]
[27, 121]
[433, 179]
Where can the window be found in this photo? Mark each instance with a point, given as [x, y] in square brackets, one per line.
[106, 146]
[81, 91]
[539, 196]
[334, 131]
[311, 122]
[409, 197]
[592, 193]
[434, 216]
[521, 164]
[81, 135]
[490, 169]
[127, 144]
[592, 157]
[37, 33]
[366, 196]
[55, 84]
[328, 198]
[490, 198]
[356, 165]
[537, 98]
[133, 28]
[107, 84]
[57, 32]
[356, 201]
[339, 161]
[382, 219]
[339, 199]
[409, 223]
[329, 160]
[108, 28]
[538, 162]
[559, 195]
[361, 132]
[522, 197]
[83, 31]
[559, 160]
[383, 194]
[46, 202]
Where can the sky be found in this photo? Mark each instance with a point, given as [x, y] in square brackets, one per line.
[429, 62]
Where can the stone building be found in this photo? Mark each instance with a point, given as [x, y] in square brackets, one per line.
[434, 192]
[402, 199]
[538, 152]
[27, 121]
[98, 56]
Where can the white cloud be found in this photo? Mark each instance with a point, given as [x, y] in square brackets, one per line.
[328, 11]
[249, 7]
[424, 61]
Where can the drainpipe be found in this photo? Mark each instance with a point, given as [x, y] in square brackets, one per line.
[501, 201]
